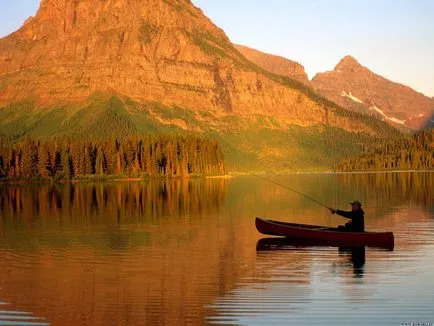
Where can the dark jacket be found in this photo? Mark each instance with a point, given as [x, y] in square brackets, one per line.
[357, 219]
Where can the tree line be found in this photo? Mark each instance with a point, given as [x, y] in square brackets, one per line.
[150, 156]
[410, 153]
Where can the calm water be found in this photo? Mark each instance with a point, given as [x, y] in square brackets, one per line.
[186, 253]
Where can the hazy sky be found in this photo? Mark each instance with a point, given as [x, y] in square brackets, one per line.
[393, 38]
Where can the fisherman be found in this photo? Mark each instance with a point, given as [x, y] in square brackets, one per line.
[357, 216]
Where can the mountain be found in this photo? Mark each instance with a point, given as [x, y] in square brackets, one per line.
[148, 50]
[118, 67]
[357, 88]
[164, 51]
[275, 64]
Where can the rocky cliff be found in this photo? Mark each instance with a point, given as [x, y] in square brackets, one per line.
[357, 88]
[144, 49]
[150, 50]
[164, 51]
[275, 64]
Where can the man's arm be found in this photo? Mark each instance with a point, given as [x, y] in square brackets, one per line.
[345, 214]
[342, 213]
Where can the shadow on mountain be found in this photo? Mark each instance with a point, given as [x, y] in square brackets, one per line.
[429, 123]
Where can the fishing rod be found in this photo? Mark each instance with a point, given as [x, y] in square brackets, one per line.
[231, 147]
[289, 188]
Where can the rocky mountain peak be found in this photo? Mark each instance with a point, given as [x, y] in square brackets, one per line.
[127, 46]
[348, 62]
[74, 16]
[355, 87]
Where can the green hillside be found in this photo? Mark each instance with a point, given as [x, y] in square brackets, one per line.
[249, 143]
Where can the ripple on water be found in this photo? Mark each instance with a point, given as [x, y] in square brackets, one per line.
[175, 269]
[20, 318]
[322, 286]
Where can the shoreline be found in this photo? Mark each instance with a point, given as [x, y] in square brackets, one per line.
[103, 179]
[234, 174]
[330, 172]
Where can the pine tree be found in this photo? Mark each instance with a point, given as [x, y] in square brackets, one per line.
[43, 161]
[99, 162]
[28, 158]
[156, 156]
[86, 161]
[66, 171]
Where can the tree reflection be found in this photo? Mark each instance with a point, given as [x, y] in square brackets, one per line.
[118, 203]
[398, 187]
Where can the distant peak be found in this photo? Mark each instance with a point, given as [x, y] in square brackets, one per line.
[347, 61]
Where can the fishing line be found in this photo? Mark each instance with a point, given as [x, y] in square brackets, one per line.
[289, 188]
[275, 182]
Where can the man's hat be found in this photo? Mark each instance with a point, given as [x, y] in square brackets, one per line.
[356, 202]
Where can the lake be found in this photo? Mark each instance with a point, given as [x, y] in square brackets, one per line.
[186, 252]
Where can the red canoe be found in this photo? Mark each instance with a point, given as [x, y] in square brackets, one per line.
[325, 234]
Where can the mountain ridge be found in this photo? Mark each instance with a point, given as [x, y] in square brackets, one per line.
[275, 64]
[169, 67]
[400, 110]
[357, 88]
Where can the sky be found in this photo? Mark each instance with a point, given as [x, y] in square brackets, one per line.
[393, 38]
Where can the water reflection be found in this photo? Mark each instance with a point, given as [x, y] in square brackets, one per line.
[384, 191]
[382, 194]
[118, 203]
[416, 187]
[19, 318]
[182, 252]
[356, 255]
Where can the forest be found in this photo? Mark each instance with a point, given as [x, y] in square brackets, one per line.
[415, 152]
[148, 156]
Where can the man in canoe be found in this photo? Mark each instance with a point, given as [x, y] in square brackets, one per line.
[357, 216]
